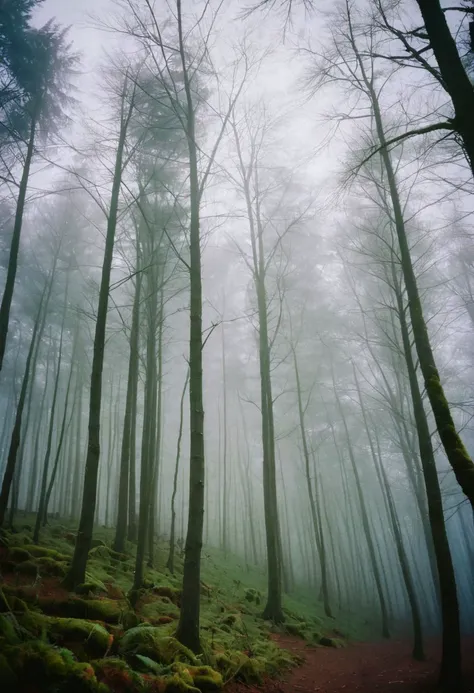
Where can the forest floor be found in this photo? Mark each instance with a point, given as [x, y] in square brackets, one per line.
[366, 667]
[105, 638]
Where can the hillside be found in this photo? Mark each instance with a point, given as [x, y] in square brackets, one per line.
[107, 639]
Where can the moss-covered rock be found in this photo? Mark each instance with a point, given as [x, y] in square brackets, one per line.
[84, 638]
[130, 620]
[253, 595]
[118, 676]
[28, 568]
[205, 678]
[91, 585]
[51, 566]
[172, 684]
[18, 554]
[35, 665]
[297, 629]
[107, 610]
[173, 594]
[149, 642]
[43, 552]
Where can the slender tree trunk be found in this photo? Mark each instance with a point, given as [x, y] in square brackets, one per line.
[463, 467]
[418, 651]
[124, 500]
[156, 439]
[47, 456]
[60, 441]
[149, 427]
[15, 244]
[450, 674]
[110, 451]
[365, 521]
[224, 440]
[273, 609]
[456, 453]
[77, 572]
[318, 530]
[16, 433]
[34, 472]
[170, 562]
[76, 496]
[188, 626]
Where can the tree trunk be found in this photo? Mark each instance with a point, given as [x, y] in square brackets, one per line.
[16, 433]
[188, 626]
[455, 78]
[456, 453]
[318, 530]
[47, 456]
[15, 244]
[418, 651]
[34, 471]
[170, 562]
[125, 461]
[450, 674]
[149, 426]
[77, 571]
[365, 521]
[156, 439]
[60, 441]
[224, 441]
[76, 497]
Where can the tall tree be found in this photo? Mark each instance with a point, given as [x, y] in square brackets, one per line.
[44, 74]
[77, 570]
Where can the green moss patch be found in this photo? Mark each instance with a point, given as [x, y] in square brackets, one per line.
[149, 641]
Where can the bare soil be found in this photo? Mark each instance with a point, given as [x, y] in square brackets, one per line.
[381, 667]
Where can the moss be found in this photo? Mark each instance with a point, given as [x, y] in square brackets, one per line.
[18, 555]
[95, 543]
[40, 666]
[175, 684]
[205, 678]
[43, 552]
[28, 568]
[106, 610]
[51, 566]
[91, 585]
[84, 638]
[130, 620]
[173, 594]
[253, 595]
[233, 621]
[7, 630]
[149, 642]
[9, 602]
[117, 675]
[297, 629]
[163, 620]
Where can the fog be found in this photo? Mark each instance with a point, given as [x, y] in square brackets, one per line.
[280, 176]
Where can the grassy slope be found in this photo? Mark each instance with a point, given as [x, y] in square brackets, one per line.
[54, 641]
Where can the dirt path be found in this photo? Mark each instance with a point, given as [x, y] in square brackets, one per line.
[384, 667]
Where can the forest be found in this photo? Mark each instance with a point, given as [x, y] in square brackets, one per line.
[236, 329]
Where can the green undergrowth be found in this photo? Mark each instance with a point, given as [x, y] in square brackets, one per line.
[104, 638]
